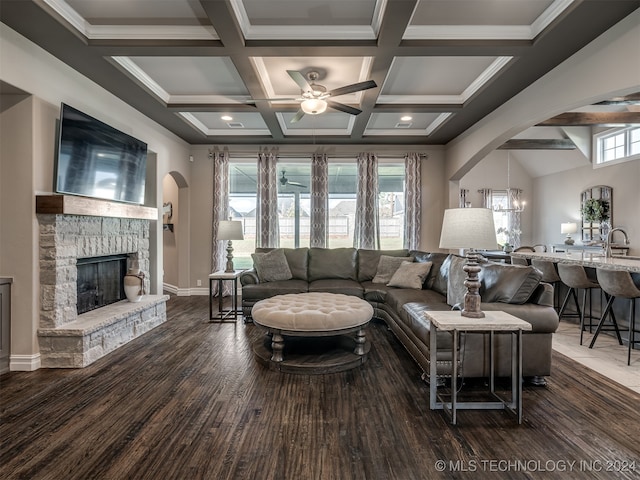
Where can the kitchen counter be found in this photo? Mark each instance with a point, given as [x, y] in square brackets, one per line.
[586, 259]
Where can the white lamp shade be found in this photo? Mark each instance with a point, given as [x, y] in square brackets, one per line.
[230, 230]
[313, 106]
[568, 227]
[468, 228]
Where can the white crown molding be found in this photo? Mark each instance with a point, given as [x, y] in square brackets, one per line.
[468, 32]
[552, 12]
[64, 10]
[151, 32]
[394, 132]
[202, 128]
[473, 87]
[308, 32]
[134, 70]
[485, 76]
[421, 99]
[24, 363]
[209, 99]
[311, 131]
[129, 32]
[488, 32]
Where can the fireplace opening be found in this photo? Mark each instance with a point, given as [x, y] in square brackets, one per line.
[100, 281]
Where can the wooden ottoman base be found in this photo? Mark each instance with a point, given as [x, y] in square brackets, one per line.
[312, 355]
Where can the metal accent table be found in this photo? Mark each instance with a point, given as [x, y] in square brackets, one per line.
[494, 322]
[224, 315]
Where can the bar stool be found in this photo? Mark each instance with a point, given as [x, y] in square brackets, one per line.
[575, 277]
[519, 261]
[549, 275]
[618, 283]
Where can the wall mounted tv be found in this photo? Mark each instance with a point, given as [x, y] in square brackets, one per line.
[96, 160]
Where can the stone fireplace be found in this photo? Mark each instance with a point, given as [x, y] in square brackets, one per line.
[67, 338]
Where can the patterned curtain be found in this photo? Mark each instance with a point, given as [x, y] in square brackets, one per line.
[267, 229]
[319, 200]
[513, 197]
[367, 228]
[463, 202]
[412, 201]
[220, 211]
[486, 197]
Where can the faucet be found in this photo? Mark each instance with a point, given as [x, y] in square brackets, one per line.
[607, 244]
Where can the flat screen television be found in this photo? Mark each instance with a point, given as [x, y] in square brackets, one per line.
[97, 160]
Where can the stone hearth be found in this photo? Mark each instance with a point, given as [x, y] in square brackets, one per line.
[69, 340]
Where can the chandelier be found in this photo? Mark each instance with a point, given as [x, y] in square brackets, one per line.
[516, 205]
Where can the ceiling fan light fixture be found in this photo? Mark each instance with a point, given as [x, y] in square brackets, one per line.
[313, 106]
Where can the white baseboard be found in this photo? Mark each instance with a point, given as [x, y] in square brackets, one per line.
[198, 291]
[184, 292]
[24, 363]
[168, 288]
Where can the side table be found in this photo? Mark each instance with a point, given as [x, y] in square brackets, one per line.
[224, 315]
[493, 322]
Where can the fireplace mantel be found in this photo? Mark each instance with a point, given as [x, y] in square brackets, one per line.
[75, 205]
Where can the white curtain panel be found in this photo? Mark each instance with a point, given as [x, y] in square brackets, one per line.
[267, 229]
[319, 200]
[220, 212]
[367, 228]
[412, 201]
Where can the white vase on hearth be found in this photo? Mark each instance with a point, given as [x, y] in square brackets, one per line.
[134, 285]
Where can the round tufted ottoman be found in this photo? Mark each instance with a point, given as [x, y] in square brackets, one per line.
[315, 328]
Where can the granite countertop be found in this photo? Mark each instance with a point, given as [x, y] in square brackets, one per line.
[630, 264]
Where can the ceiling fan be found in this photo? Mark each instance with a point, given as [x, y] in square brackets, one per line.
[285, 181]
[315, 97]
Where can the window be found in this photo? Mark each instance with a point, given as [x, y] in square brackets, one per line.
[294, 204]
[619, 144]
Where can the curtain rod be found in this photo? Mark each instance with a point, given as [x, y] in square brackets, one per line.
[308, 154]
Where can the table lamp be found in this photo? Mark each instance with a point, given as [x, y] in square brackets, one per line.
[230, 230]
[469, 228]
[568, 228]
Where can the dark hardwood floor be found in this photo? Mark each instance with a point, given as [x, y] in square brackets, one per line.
[187, 400]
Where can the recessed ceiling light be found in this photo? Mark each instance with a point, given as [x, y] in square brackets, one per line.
[406, 118]
[226, 118]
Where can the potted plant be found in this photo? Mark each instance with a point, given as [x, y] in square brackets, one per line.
[595, 210]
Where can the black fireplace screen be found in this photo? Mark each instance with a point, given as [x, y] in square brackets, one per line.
[100, 281]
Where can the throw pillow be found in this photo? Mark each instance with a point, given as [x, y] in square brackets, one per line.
[456, 289]
[410, 275]
[387, 266]
[508, 283]
[271, 266]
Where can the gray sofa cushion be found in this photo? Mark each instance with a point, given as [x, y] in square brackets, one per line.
[441, 278]
[297, 258]
[456, 289]
[271, 266]
[387, 266]
[437, 259]
[508, 283]
[368, 261]
[261, 291]
[410, 275]
[332, 263]
[346, 287]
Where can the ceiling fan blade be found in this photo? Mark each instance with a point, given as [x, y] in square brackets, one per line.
[343, 108]
[300, 80]
[296, 184]
[356, 87]
[298, 116]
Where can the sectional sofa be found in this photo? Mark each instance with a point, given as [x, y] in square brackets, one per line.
[368, 273]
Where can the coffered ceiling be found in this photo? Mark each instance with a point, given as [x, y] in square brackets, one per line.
[188, 63]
